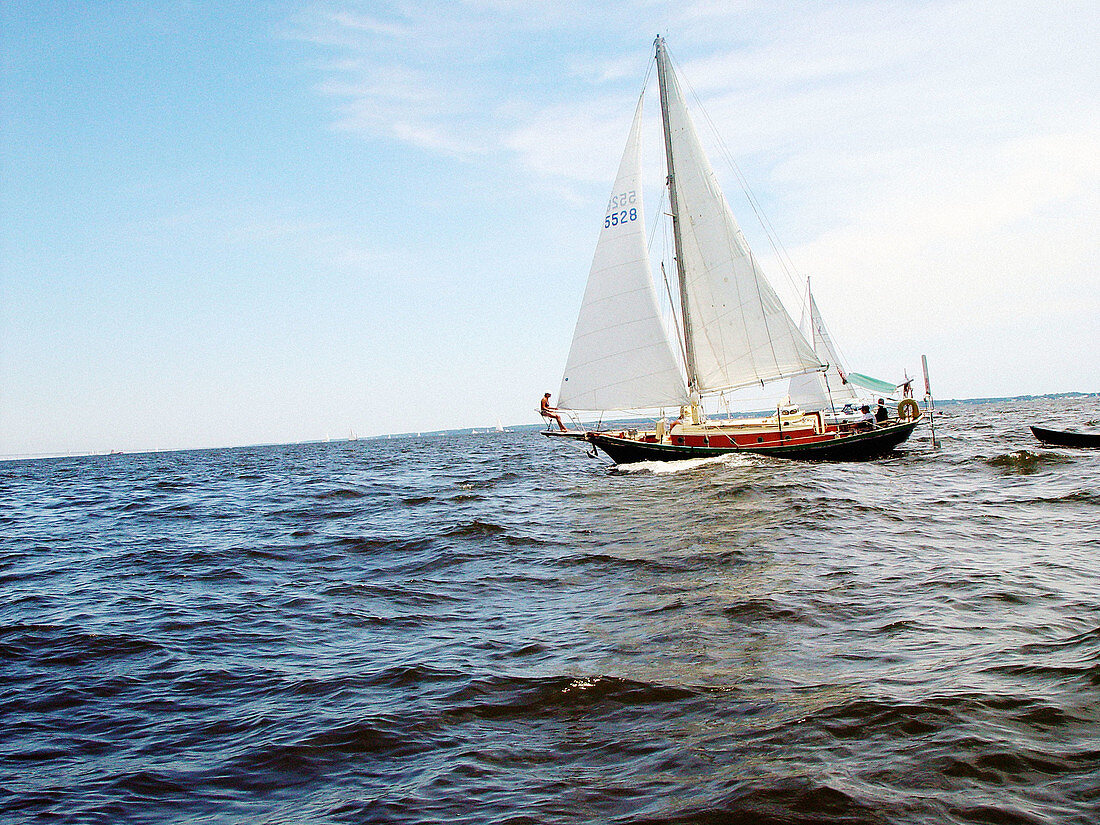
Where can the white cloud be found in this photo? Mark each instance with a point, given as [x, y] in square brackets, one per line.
[353, 21]
[574, 143]
[996, 250]
[929, 163]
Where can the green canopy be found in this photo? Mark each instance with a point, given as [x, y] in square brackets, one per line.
[869, 383]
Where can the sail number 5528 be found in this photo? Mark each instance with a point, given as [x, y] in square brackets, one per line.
[619, 209]
[616, 218]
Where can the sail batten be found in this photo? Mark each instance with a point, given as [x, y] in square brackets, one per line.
[620, 357]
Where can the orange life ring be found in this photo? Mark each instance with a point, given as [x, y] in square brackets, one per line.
[908, 409]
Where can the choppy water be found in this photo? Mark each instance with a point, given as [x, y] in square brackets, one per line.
[497, 629]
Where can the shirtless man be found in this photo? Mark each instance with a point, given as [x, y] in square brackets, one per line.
[549, 412]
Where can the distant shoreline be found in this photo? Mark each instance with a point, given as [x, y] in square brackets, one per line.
[486, 430]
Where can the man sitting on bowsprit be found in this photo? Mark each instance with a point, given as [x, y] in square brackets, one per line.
[548, 412]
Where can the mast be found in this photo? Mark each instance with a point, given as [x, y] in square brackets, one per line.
[689, 347]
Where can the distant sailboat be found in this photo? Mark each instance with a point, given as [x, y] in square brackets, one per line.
[734, 331]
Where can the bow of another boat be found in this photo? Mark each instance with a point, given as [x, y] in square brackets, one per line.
[1066, 438]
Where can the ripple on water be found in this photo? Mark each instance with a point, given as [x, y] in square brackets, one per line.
[498, 629]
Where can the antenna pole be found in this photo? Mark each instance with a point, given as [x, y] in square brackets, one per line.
[929, 402]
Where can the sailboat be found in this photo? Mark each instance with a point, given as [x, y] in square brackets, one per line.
[732, 331]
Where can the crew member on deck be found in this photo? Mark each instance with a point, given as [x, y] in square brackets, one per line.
[549, 412]
[881, 413]
[867, 421]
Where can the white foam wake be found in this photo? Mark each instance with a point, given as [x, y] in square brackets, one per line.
[667, 467]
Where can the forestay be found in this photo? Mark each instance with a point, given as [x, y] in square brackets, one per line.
[621, 357]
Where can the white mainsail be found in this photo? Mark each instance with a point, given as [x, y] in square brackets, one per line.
[621, 358]
[810, 392]
[739, 332]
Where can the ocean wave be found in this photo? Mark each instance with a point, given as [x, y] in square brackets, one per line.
[398, 593]
[288, 760]
[154, 786]
[610, 560]
[174, 484]
[1085, 672]
[1026, 461]
[1087, 642]
[1076, 497]
[376, 546]
[779, 800]
[765, 609]
[945, 722]
[525, 698]
[340, 494]
[858, 718]
[315, 514]
[466, 498]
[66, 645]
[418, 675]
[474, 529]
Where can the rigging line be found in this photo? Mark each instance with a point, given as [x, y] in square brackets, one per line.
[764, 313]
[655, 222]
[829, 392]
[679, 332]
[785, 262]
[822, 332]
[762, 218]
[781, 254]
[651, 63]
[668, 255]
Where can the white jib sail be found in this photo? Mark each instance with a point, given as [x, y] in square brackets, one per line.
[810, 391]
[621, 358]
[741, 333]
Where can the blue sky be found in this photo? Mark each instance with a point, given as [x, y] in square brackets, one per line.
[235, 223]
